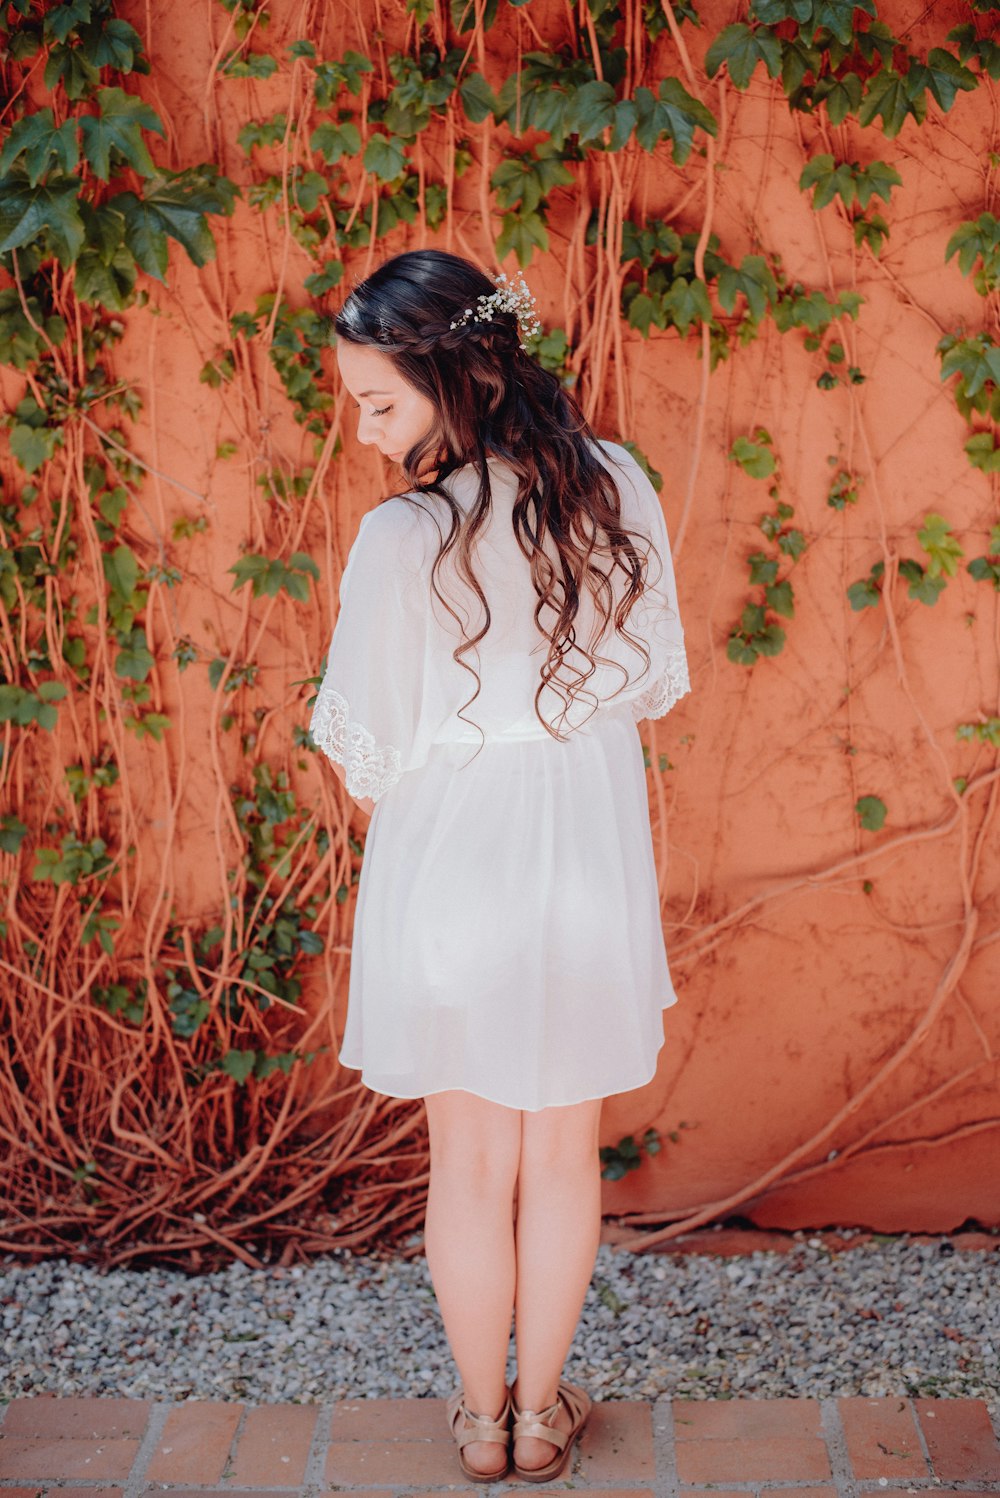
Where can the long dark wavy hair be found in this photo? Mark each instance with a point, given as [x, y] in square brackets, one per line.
[493, 400]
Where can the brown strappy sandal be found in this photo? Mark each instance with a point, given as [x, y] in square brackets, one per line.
[466, 1427]
[538, 1423]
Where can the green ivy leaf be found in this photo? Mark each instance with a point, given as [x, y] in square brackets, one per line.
[463, 14]
[754, 280]
[894, 98]
[105, 282]
[773, 12]
[770, 640]
[838, 17]
[32, 446]
[121, 571]
[842, 96]
[944, 551]
[175, 207]
[113, 43]
[792, 543]
[26, 213]
[921, 586]
[307, 190]
[871, 812]
[134, 660]
[253, 65]
[755, 458]
[827, 180]
[385, 156]
[798, 60]
[740, 650]
[478, 99]
[12, 833]
[877, 180]
[945, 77]
[118, 131]
[742, 50]
[983, 452]
[526, 180]
[347, 72]
[680, 115]
[62, 20]
[864, 594]
[105, 229]
[592, 111]
[301, 561]
[985, 571]
[975, 360]
[642, 313]
[333, 142]
[325, 280]
[71, 67]
[38, 139]
[687, 302]
[238, 1065]
[523, 233]
[978, 240]
[779, 598]
[674, 114]
[763, 569]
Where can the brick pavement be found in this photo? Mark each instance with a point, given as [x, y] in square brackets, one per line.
[672, 1448]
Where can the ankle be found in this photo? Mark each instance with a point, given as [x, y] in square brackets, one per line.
[487, 1409]
[547, 1397]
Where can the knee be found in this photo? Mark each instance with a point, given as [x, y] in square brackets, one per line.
[477, 1148]
[561, 1141]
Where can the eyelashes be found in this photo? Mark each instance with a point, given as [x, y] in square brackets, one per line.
[375, 411]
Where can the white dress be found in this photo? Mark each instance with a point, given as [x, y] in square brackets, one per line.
[507, 935]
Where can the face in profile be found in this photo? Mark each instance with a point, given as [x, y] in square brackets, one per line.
[392, 415]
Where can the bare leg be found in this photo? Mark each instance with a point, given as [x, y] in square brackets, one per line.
[469, 1243]
[557, 1235]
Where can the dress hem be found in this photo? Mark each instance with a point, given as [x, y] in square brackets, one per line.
[589, 1097]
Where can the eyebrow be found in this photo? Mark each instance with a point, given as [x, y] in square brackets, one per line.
[366, 393]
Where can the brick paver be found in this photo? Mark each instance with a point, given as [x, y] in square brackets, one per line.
[883, 1439]
[617, 1445]
[195, 1442]
[848, 1447]
[960, 1440]
[273, 1446]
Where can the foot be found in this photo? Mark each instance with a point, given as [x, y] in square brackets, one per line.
[485, 1456]
[490, 1456]
[531, 1452]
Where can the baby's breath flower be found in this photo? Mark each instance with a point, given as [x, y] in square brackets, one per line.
[510, 296]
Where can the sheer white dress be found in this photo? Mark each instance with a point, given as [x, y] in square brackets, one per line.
[507, 936]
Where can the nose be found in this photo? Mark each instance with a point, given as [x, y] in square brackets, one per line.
[369, 429]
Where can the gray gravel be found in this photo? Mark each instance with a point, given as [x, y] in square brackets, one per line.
[894, 1317]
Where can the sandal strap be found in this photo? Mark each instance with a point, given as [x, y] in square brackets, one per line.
[483, 1427]
[536, 1423]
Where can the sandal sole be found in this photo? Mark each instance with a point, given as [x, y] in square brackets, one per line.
[558, 1465]
[471, 1473]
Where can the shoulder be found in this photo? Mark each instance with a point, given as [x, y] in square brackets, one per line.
[629, 475]
[402, 525]
[613, 451]
[621, 462]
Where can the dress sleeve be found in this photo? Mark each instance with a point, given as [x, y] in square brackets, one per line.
[369, 713]
[656, 618]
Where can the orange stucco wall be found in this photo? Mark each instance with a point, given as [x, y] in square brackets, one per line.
[833, 1057]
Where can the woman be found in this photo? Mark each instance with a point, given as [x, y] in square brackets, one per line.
[508, 963]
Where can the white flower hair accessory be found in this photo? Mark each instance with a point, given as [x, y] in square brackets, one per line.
[510, 296]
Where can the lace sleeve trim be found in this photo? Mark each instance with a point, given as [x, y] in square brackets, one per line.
[672, 684]
[371, 769]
